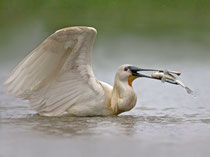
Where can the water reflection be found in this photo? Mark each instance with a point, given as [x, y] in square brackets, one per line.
[124, 125]
[76, 126]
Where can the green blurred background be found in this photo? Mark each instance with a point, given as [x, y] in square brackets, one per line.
[25, 23]
[147, 16]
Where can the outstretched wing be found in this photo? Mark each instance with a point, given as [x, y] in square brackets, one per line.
[58, 74]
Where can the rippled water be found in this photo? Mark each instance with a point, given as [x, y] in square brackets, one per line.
[165, 122]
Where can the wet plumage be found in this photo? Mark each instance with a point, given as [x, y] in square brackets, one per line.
[57, 78]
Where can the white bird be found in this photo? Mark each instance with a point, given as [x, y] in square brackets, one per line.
[57, 78]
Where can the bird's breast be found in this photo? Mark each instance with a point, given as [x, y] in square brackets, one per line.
[127, 100]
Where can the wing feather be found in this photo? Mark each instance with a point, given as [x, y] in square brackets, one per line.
[58, 74]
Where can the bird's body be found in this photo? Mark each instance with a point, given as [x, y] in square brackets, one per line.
[57, 78]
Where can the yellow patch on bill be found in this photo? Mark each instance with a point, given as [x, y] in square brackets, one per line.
[130, 79]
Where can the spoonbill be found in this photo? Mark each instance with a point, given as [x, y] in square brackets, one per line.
[57, 78]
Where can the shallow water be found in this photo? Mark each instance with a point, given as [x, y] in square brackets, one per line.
[165, 122]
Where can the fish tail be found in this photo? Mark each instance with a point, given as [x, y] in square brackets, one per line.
[189, 90]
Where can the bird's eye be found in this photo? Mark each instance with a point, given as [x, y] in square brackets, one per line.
[126, 69]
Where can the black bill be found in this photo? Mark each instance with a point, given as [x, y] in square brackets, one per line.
[136, 72]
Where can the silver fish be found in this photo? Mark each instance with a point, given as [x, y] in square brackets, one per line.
[167, 76]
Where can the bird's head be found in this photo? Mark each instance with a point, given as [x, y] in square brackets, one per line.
[128, 73]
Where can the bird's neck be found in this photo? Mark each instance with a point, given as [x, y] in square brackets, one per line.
[123, 97]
